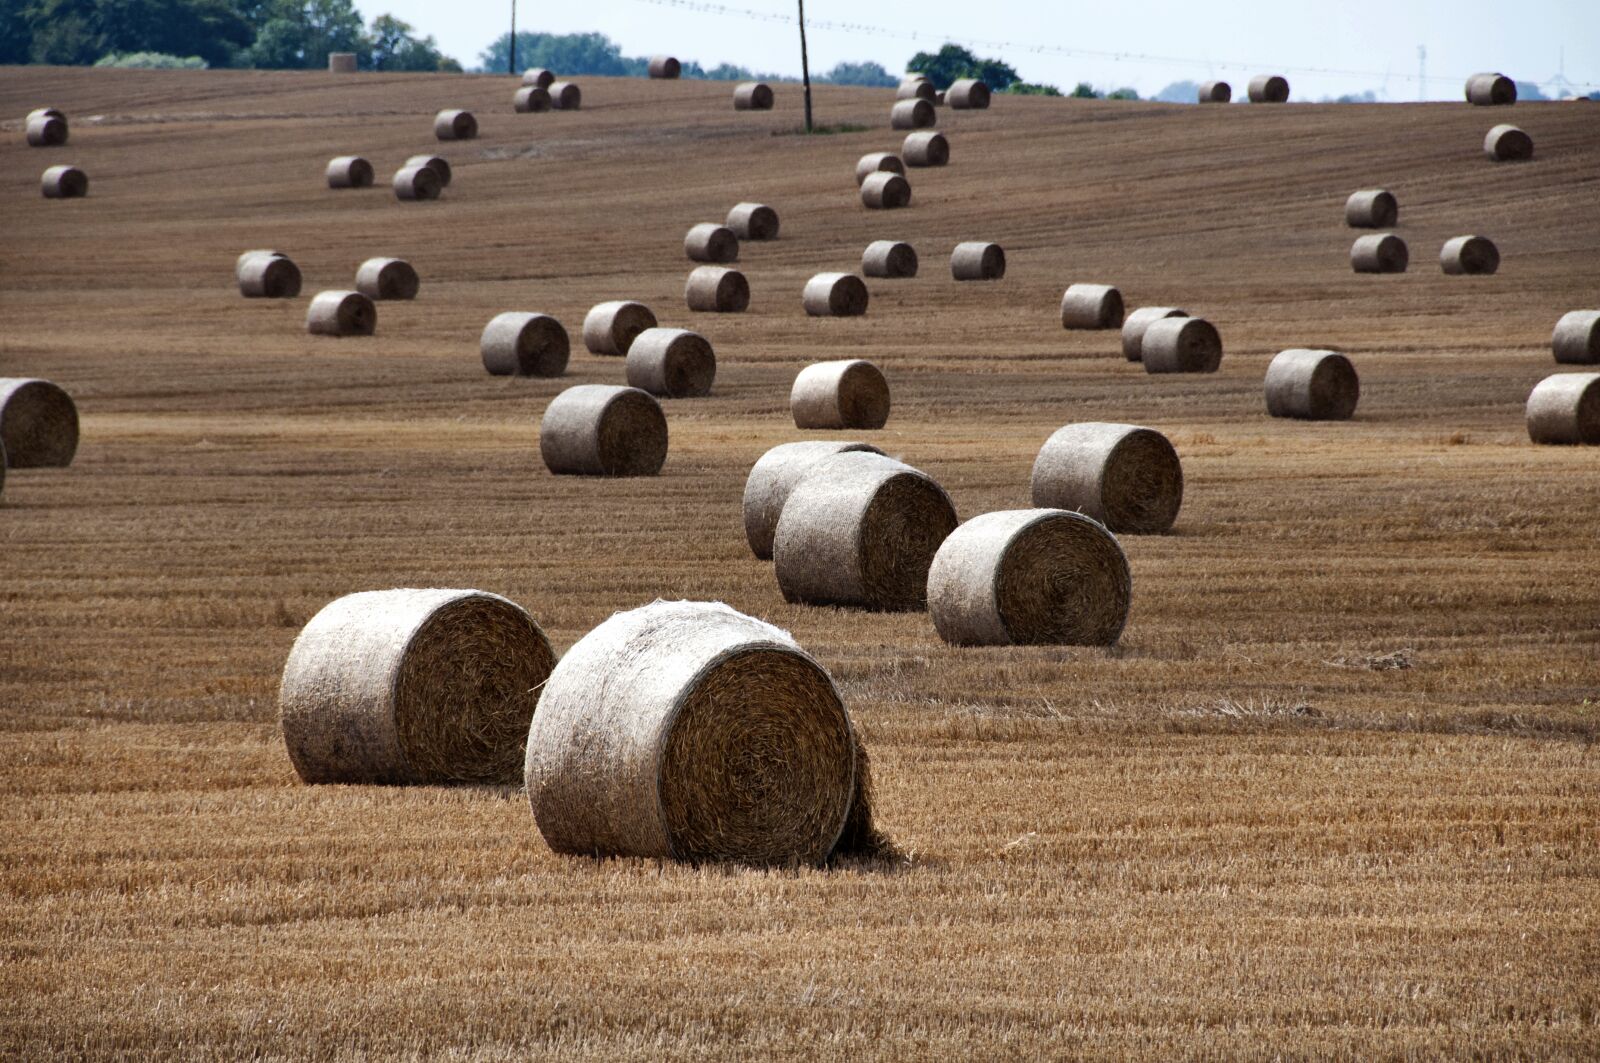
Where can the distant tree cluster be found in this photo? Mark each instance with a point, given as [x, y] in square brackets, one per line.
[1085, 91]
[953, 62]
[596, 55]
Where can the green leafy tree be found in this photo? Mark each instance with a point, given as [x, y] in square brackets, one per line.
[871, 74]
[16, 32]
[81, 31]
[953, 62]
[300, 33]
[1025, 88]
[1084, 91]
[574, 54]
[392, 45]
[1122, 94]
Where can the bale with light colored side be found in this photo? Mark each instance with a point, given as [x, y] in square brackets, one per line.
[1565, 409]
[519, 343]
[889, 258]
[1126, 477]
[531, 99]
[1135, 324]
[774, 476]
[671, 362]
[601, 430]
[387, 278]
[1181, 345]
[1216, 92]
[437, 163]
[46, 130]
[417, 183]
[349, 171]
[1371, 208]
[967, 94]
[1469, 255]
[1491, 90]
[1312, 386]
[1379, 253]
[1576, 340]
[1091, 306]
[912, 114]
[753, 96]
[1269, 88]
[664, 68]
[925, 148]
[566, 96]
[876, 162]
[268, 275]
[915, 88]
[38, 424]
[885, 191]
[710, 242]
[611, 327]
[341, 62]
[848, 393]
[455, 125]
[716, 290]
[753, 221]
[340, 313]
[64, 182]
[835, 295]
[976, 260]
[1507, 143]
[538, 76]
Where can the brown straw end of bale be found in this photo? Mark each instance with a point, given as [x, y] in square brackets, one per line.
[349, 171]
[890, 259]
[835, 295]
[1507, 143]
[565, 96]
[1126, 477]
[878, 162]
[1469, 256]
[1312, 385]
[849, 393]
[531, 99]
[925, 148]
[976, 260]
[601, 430]
[341, 313]
[417, 183]
[517, 343]
[413, 686]
[1181, 345]
[1216, 92]
[664, 67]
[753, 96]
[885, 191]
[437, 163]
[1091, 306]
[611, 327]
[1269, 88]
[1371, 208]
[968, 94]
[64, 182]
[716, 289]
[773, 477]
[1576, 340]
[1379, 253]
[38, 424]
[455, 125]
[387, 278]
[912, 114]
[710, 242]
[1565, 409]
[1135, 324]
[268, 275]
[671, 362]
[1491, 90]
[539, 76]
[753, 221]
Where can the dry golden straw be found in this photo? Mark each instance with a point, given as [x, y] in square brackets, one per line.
[565, 96]
[349, 171]
[1312, 386]
[1507, 143]
[1371, 208]
[46, 130]
[1269, 88]
[885, 191]
[455, 125]
[1216, 92]
[38, 424]
[968, 94]
[753, 221]
[664, 67]
[771, 479]
[517, 343]
[531, 99]
[1576, 340]
[753, 96]
[925, 147]
[268, 275]
[916, 88]
[1124, 476]
[671, 362]
[1476, 255]
[387, 278]
[538, 75]
[64, 182]
[340, 313]
[889, 258]
[437, 163]
[835, 295]
[710, 242]
[1181, 345]
[912, 114]
[1565, 408]
[850, 393]
[609, 328]
[601, 430]
[1379, 253]
[1491, 90]
[1091, 306]
[876, 162]
[716, 289]
[417, 182]
[1134, 325]
[976, 260]
[413, 686]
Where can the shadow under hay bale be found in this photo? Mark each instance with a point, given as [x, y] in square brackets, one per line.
[417, 183]
[1469, 255]
[717, 290]
[967, 94]
[835, 295]
[38, 424]
[753, 221]
[849, 393]
[1565, 409]
[64, 182]
[349, 171]
[976, 260]
[611, 327]
[773, 477]
[1181, 345]
[885, 191]
[1126, 477]
[1507, 143]
[1379, 253]
[1091, 306]
[455, 125]
[925, 148]
[753, 96]
[1491, 90]
[267, 275]
[1311, 385]
[710, 242]
[1135, 324]
[437, 163]
[1371, 208]
[1576, 340]
[878, 162]
[602, 430]
[387, 278]
[1269, 88]
[671, 362]
[519, 343]
[341, 313]
[1215, 92]
[889, 258]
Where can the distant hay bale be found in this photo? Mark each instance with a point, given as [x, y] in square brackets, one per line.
[438, 164]
[341, 62]
[413, 686]
[1312, 386]
[848, 393]
[967, 94]
[664, 67]
[889, 258]
[876, 162]
[517, 343]
[64, 182]
[835, 295]
[885, 191]
[1135, 324]
[753, 96]
[419, 182]
[387, 278]
[689, 731]
[1371, 208]
[1379, 253]
[349, 171]
[531, 99]
[455, 125]
[1565, 409]
[1491, 90]
[268, 275]
[38, 424]
[753, 221]
[1576, 340]
[716, 289]
[1091, 306]
[861, 530]
[539, 76]
[671, 362]
[912, 114]
[976, 260]
[1126, 477]
[45, 112]
[1507, 143]
[1475, 255]
[341, 313]
[611, 327]
[771, 479]
[925, 148]
[1216, 92]
[565, 96]
[246, 256]
[1269, 88]
[915, 88]
[1181, 345]
[710, 242]
[601, 430]
[939, 99]
[1030, 577]
[46, 131]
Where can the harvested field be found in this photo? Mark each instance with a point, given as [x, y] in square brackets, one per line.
[1334, 793]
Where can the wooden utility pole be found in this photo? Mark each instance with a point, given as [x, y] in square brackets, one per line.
[513, 61]
[805, 63]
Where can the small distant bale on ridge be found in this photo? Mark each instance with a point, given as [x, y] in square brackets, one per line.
[1269, 88]
[1311, 385]
[1507, 143]
[912, 114]
[1491, 90]
[664, 67]
[753, 96]
[341, 62]
[967, 94]
[1216, 92]
[925, 147]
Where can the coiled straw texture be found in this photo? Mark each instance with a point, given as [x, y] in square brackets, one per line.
[1312, 386]
[601, 430]
[1126, 477]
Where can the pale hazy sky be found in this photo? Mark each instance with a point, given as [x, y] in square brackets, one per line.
[1334, 47]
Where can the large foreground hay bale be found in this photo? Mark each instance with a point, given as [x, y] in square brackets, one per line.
[1216, 92]
[566, 96]
[710, 242]
[1462, 255]
[885, 191]
[64, 182]
[1126, 477]
[1507, 143]
[1091, 306]
[46, 131]
[912, 114]
[538, 75]
[1371, 208]
[835, 295]
[38, 424]
[976, 260]
[1576, 340]
[889, 258]
[1565, 408]
[1269, 88]
[861, 529]
[664, 67]
[671, 362]
[341, 62]
[268, 275]
[1181, 345]
[1312, 386]
[341, 313]
[455, 125]
[753, 96]
[413, 686]
[878, 161]
[915, 88]
[1030, 577]
[716, 289]
[387, 278]
[753, 221]
[926, 147]
[967, 94]
[418, 183]
[611, 327]
[689, 731]
[849, 393]
[773, 477]
[1379, 253]
[349, 171]
[518, 343]
[437, 163]
[601, 430]
[1491, 90]
[1135, 324]
[531, 99]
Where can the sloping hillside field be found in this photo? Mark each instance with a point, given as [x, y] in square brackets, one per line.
[1334, 792]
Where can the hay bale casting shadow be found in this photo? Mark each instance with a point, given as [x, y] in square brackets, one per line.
[835, 295]
[1565, 408]
[717, 290]
[1312, 386]
[889, 258]
[1576, 340]
[849, 393]
[1091, 306]
[773, 477]
[387, 278]
[671, 362]
[340, 313]
[1126, 477]
[518, 343]
[601, 430]
[609, 328]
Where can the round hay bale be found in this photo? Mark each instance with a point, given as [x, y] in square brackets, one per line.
[753, 221]
[413, 686]
[849, 393]
[1565, 408]
[531, 99]
[1181, 345]
[939, 98]
[246, 256]
[771, 479]
[976, 260]
[1216, 92]
[664, 67]
[1576, 340]
[1371, 208]
[455, 125]
[417, 183]
[1135, 324]
[1312, 386]
[1269, 88]
[601, 430]
[925, 147]
[517, 343]
[912, 114]
[46, 131]
[349, 171]
[889, 258]
[268, 276]
[387, 278]
[1379, 253]
[610, 328]
[566, 96]
[1091, 306]
[339, 313]
[1126, 477]
[671, 362]
[915, 88]
[1030, 577]
[38, 424]
[45, 112]
[538, 75]
[438, 164]
[64, 182]
[689, 731]
[1491, 90]
[1476, 255]
[1507, 143]
[716, 289]
[341, 62]
[753, 96]
[710, 242]
[967, 94]
[878, 162]
[835, 295]
[861, 530]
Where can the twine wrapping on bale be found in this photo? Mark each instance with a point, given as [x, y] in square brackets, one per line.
[610, 328]
[418, 182]
[341, 62]
[1126, 477]
[860, 529]
[601, 430]
[1576, 340]
[1181, 345]
[565, 96]
[268, 275]
[1030, 577]
[38, 424]
[915, 88]
[689, 731]
[1565, 408]
[878, 162]
[671, 362]
[716, 289]
[349, 171]
[1379, 253]
[1371, 208]
[771, 479]
[1507, 143]
[340, 313]
[1312, 386]
[849, 393]
[413, 686]
[64, 182]
[710, 242]
[835, 295]
[1475, 255]
[1491, 90]
[753, 221]
[517, 343]
[753, 96]
[387, 278]
[46, 131]
[1216, 92]
[967, 94]
[455, 125]
[912, 114]
[889, 258]
[531, 99]
[538, 75]
[1269, 88]
[1135, 324]
[664, 67]
[925, 147]
[1091, 306]
[438, 164]
[976, 260]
